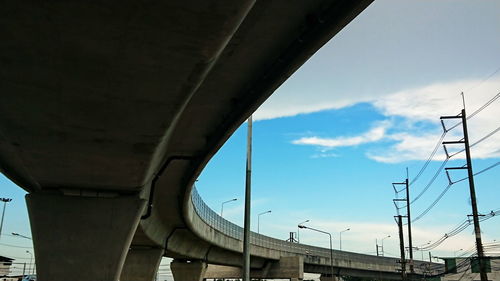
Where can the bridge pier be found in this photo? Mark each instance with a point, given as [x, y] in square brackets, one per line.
[286, 268]
[141, 264]
[82, 238]
[188, 271]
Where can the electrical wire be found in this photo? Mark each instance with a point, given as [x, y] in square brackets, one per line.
[478, 141]
[461, 227]
[436, 147]
[15, 246]
[431, 181]
[493, 99]
[490, 101]
[433, 153]
[421, 215]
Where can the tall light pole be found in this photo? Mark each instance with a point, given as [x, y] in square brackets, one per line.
[382, 246]
[248, 194]
[31, 264]
[5, 201]
[340, 237]
[258, 219]
[298, 230]
[222, 205]
[421, 250]
[331, 250]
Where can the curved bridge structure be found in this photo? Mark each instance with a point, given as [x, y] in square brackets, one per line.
[109, 110]
[298, 258]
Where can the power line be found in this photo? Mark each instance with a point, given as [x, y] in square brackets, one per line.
[431, 181]
[448, 187]
[433, 153]
[490, 101]
[433, 203]
[15, 246]
[461, 227]
[478, 141]
[494, 98]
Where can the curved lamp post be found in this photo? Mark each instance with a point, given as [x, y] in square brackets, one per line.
[331, 250]
[298, 230]
[419, 248]
[31, 262]
[222, 205]
[5, 201]
[340, 237]
[258, 219]
[382, 245]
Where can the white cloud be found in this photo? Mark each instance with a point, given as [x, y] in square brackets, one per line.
[426, 104]
[375, 134]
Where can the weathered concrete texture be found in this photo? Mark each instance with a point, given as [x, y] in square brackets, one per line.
[285, 268]
[82, 238]
[141, 264]
[188, 271]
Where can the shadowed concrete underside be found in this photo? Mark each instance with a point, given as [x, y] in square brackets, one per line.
[126, 101]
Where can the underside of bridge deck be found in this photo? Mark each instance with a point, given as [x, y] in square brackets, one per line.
[110, 110]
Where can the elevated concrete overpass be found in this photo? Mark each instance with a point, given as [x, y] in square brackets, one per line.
[297, 258]
[110, 110]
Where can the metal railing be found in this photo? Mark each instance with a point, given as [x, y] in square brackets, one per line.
[230, 229]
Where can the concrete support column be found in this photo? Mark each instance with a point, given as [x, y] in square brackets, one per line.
[82, 238]
[141, 264]
[188, 271]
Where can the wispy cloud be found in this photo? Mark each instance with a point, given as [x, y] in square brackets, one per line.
[325, 155]
[424, 105]
[427, 104]
[375, 134]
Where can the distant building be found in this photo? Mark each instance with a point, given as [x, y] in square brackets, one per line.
[5, 264]
[467, 269]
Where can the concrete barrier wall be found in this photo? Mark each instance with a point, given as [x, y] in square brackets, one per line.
[216, 230]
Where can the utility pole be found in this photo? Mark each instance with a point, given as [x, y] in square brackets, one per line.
[408, 216]
[402, 247]
[475, 214]
[248, 178]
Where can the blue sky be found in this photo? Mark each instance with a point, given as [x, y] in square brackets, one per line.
[330, 141]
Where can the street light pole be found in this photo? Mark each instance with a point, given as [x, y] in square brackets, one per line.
[258, 219]
[331, 250]
[382, 245]
[421, 250]
[340, 237]
[248, 193]
[31, 263]
[5, 201]
[298, 230]
[222, 205]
